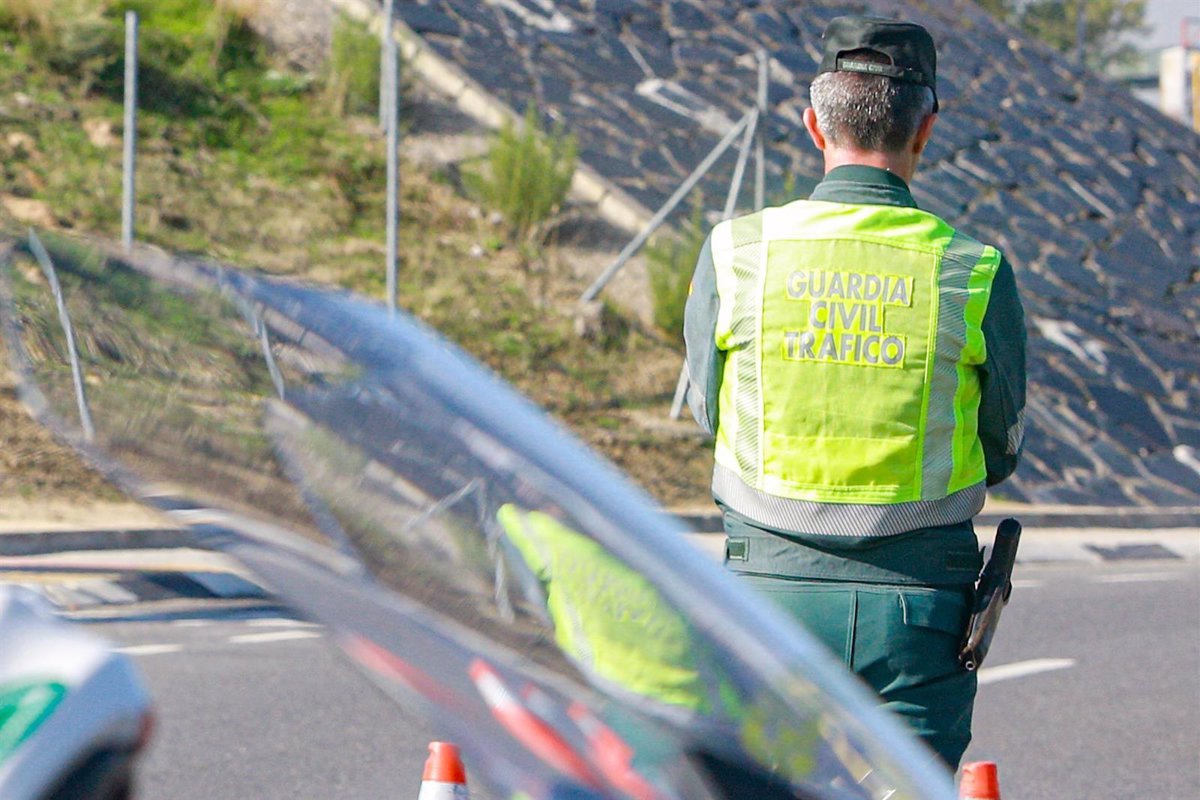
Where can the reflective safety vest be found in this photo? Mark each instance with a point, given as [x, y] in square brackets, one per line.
[611, 621]
[850, 394]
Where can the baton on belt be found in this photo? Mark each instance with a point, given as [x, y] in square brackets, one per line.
[995, 587]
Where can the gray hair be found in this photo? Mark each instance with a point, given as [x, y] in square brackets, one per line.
[869, 112]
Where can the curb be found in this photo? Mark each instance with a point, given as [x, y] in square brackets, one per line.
[34, 543]
[1126, 518]
[83, 582]
[1059, 519]
[86, 580]
[46, 542]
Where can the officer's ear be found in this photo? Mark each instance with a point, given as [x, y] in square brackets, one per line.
[924, 133]
[814, 129]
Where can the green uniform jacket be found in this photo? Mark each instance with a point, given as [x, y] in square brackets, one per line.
[1002, 375]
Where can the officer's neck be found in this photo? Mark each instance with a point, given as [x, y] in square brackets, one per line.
[902, 163]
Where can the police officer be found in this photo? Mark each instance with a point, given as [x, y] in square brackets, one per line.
[862, 366]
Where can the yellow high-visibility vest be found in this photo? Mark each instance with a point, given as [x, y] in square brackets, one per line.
[852, 337]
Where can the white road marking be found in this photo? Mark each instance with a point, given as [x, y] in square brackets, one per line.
[149, 649]
[1021, 669]
[1028, 584]
[191, 623]
[274, 636]
[1140, 577]
[279, 622]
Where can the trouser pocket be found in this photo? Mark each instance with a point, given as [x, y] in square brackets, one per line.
[918, 674]
[930, 629]
[824, 609]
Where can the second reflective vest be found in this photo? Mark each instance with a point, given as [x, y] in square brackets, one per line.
[852, 336]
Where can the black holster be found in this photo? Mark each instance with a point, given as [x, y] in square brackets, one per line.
[991, 595]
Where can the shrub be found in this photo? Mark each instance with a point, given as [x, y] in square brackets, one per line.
[48, 19]
[234, 43]
[73, 37]
[527, 176]
[786, 192]
[352, 78]
[670, 264]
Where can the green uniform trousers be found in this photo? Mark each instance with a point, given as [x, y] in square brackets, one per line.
[899, 634]
[902, 641]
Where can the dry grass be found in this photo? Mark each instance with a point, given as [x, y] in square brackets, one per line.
[242, 10]
[33, 464]
[50, 20]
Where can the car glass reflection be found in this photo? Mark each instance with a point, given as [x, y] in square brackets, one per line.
[271, 410]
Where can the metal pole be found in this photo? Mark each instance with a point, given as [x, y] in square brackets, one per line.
[259, 327]
[739, 171]
[43, 258]
[760, 145]
[130, 160]
[757, 130]
[1080, 30]
[387, 86]
[264, 341]
[393, 170]
[735, 187]
[661, 215]
[681, 387]
[1195, 92]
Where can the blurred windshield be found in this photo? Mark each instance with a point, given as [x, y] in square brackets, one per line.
[474, 559]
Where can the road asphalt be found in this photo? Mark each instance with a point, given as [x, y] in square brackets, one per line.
[138, 569]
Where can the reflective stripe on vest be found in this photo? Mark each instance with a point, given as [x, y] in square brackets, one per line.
[852, 337]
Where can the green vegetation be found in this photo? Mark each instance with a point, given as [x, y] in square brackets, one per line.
[74, 35]
[527, 176]
[1107, 25]
[670, 262]
[237, 156]
[352, 79]
[244, 160]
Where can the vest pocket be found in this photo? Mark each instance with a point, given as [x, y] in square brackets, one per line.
[841, 468]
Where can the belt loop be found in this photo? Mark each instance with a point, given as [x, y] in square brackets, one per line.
[737, 548]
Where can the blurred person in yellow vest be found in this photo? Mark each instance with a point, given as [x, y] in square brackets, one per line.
[611, 621]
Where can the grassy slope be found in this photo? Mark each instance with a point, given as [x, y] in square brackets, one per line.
[246, 162]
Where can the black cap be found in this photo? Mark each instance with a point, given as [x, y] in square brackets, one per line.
[908, 46]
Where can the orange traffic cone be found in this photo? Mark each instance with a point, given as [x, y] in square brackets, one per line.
[979, 781]
[445, 776]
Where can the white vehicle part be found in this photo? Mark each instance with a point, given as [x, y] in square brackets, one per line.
[105, 707]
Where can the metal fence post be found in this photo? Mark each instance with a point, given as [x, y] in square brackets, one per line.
[681, 390]
[393, 164]
[43, 259]
[666, 209]
[760, 144]
[735, 188]
[1080, 32]
[739, 170]
[130, 159]
[258, 326]
[387, 88]
[756, 127]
